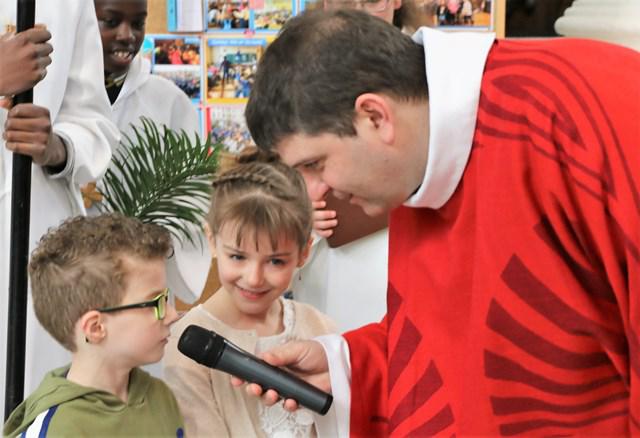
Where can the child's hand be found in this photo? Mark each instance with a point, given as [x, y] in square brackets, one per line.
[323, 220]
[24, 58]
[306, 359]
[28, 131]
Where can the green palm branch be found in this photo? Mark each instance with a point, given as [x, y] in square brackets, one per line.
[162, 178]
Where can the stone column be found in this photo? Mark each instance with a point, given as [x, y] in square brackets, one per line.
[615, 21]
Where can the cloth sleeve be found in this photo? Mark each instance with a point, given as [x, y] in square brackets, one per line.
[368, 354]
[337, 424]
[84, 119]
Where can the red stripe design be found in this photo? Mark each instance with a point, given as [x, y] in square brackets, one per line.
[516, 428]
[435, 425]
[428, 384]
[515, 305]
[516, 405]
[595, 283]
[525, 285]
[504, 324]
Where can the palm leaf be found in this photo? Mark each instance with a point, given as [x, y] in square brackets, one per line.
[161, 177]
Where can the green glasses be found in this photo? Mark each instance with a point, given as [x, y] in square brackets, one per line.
[159, 305]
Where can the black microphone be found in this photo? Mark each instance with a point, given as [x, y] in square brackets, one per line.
[212, 350]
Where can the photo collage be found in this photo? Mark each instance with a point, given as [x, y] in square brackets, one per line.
[214, 46]
[212, 52]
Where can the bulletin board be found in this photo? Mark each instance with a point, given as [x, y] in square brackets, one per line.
[477, 15]
[231, 43]
[157, 16]
[234, 34]
[219, 81]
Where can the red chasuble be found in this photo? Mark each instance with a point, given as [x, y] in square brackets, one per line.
[515, 308]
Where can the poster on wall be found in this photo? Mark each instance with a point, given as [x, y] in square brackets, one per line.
[464, 13]
[271, 14]
[230, 67]
[476, 15]
[185, 16]
[225, 123]
[247, 15]
[177, 58]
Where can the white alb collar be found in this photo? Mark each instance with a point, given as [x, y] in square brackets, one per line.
[454, 64]
[139, 72]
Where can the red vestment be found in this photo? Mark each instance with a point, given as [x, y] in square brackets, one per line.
[515, 308]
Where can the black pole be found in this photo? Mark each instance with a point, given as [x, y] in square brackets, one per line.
[19, 253]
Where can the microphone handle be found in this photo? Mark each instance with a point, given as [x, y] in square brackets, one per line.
[288, 385]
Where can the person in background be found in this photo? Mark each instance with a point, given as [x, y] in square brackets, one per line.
[441, 13]
[466, 12]
[260, 228]
[514, 266]
[135, 93]
[99, 288]
[67, 131]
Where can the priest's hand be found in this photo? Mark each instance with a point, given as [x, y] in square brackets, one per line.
[28, 131]
[24, 58]
[306, 359]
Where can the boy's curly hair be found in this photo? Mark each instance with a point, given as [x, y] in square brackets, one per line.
[78, 267]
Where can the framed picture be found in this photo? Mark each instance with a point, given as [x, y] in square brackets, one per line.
[226, 124]
[230, 67]
[247, 15]
[177, 58]
[232, 15]
[185, 16]
[271, 14]
[454, 15]
[474, 15]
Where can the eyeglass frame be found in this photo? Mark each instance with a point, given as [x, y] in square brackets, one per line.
[155, 303]
[361, 3]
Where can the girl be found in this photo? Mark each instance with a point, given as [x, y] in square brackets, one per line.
[259, 230]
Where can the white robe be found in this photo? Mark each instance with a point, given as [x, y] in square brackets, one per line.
[73, 91]
[155, 97]
[159, 99]
[353, 276]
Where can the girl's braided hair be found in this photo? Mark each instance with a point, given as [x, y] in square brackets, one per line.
[261, 194]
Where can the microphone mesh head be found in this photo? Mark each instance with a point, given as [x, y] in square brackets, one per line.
[202, 345]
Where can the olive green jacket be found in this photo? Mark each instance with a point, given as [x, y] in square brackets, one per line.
[60, 408]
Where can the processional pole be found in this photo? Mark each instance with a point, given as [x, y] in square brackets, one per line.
[19, 252]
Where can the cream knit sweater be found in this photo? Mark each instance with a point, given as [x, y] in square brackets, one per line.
[211, 406]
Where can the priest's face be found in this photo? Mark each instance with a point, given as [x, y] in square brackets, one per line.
[122, 24]
[364, 172]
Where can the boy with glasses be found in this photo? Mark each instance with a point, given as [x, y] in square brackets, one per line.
[99, 288]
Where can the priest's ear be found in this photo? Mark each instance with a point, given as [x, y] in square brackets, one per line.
[375, 117]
